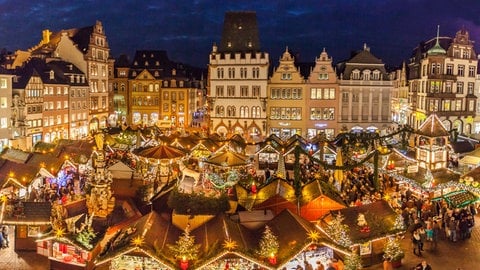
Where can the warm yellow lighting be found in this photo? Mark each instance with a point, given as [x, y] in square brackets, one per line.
[11, 174]
[229, 244]
[314, 235]
[4, 198]
[67, 157]
[138, 241]
[42, 165]
[59, 233]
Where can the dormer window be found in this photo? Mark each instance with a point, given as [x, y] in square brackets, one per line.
[286, 76]
[229, 44]
[52, 75]
[156, 73]
[366, 75]
[146, 63]
[356, 74]
[174, 72]
[249, 44]
[135, 63]
[157, 63]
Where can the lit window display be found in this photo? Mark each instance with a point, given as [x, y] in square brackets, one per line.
[232, 264]
[127, 262]
[313, 255]
[68, 254]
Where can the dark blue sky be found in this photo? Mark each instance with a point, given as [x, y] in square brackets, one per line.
[187, 29]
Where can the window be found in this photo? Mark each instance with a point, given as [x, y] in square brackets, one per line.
[244, 91]
[471, 71]
[3, 102]
[243, 73]
[471, 105]
[255, 112]
[461, 70]
[220, 73]
[231, 73]
[244, 112]
[219, 91]
[366, 75]
[446, 105]
[315, 93]
[435, 68]
[449, 69]
[459, 87]
[256, 72]
[356, 74]
[3, 122]
[322, 113]
[344, 97]
[255, 91]
[231, 91]
[59, 105]
[285, 113]
[323, 76]
[230, 110]
[286, 76]
[448, 87]
[470, 88]
[458, 105]
[3, 83]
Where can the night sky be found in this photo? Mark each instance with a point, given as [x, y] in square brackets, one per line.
[188, 29]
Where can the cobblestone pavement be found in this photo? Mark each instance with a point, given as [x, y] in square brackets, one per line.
[464, 254]
[11, 260]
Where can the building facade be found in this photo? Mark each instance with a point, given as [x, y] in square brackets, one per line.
[442, 74]
[322, 99]
[365, 93]
[286, 100]
[238, 76]
[5, 109]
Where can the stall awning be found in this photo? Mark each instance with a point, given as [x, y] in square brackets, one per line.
[458, 198]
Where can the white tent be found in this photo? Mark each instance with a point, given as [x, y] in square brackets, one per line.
[120, 171]
[472, 158]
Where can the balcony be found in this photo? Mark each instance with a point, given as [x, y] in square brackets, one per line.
[453, 113]
[442, 77]
[441, 95]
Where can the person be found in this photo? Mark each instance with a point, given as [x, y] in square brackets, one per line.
[320, 266]
[387, 264]
[5, 235]
[423, 266]
[417, 243]
[2, 241]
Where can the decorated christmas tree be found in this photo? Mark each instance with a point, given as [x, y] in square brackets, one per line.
[399, 224]
[268, 244]
[185, 247]
[339, 231]
[393, 250]
[353, 261]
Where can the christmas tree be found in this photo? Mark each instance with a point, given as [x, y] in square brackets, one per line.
[185, 247]
[339, 231]
[353, 261]
[399, 224]
[268, 244]
[393, 250]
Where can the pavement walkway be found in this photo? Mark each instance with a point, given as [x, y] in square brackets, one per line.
[464, 254]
